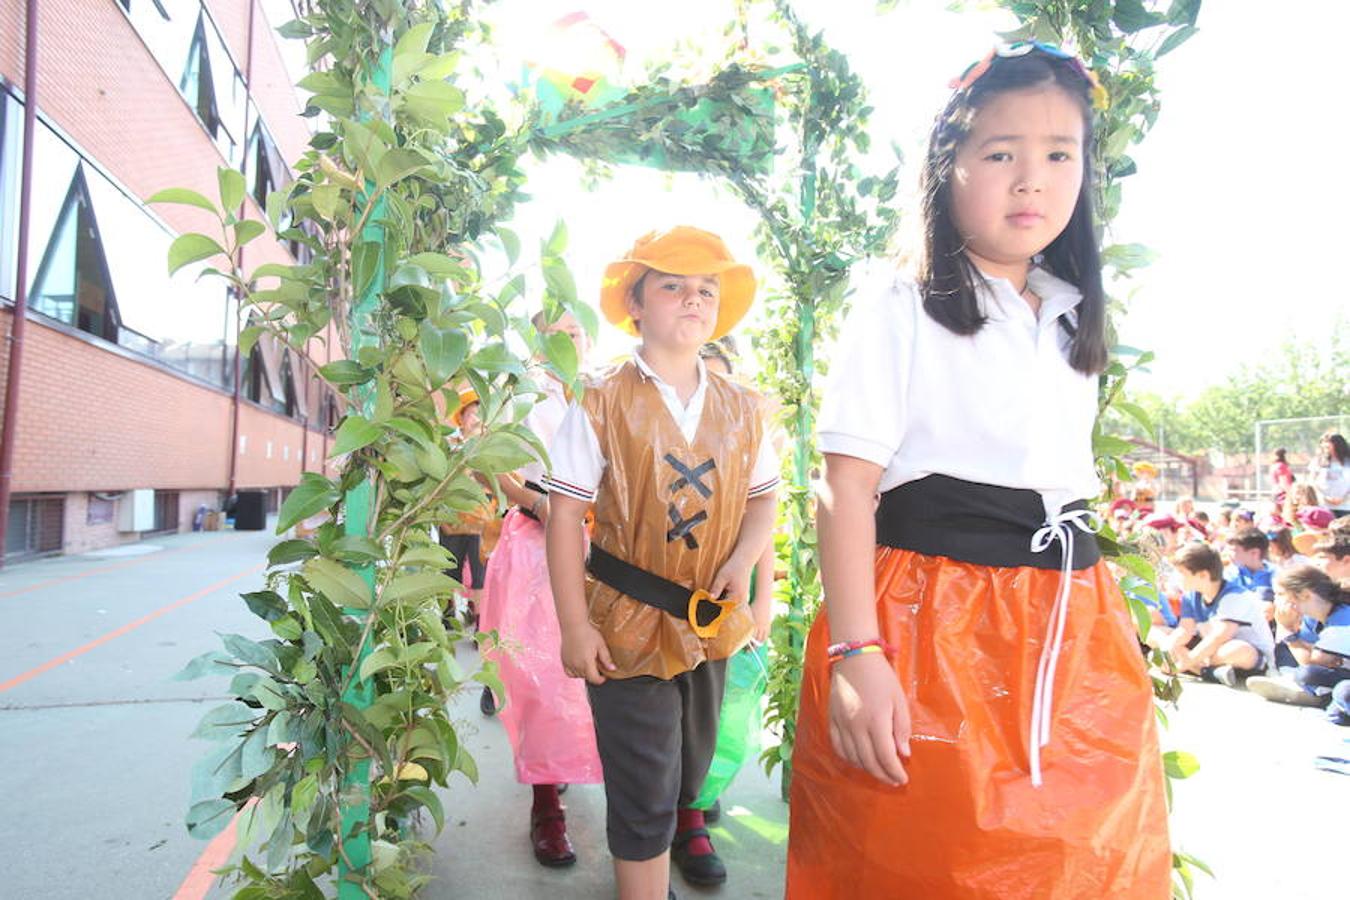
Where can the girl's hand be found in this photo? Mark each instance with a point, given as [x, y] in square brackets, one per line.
[585, 653]
[869, 717]
[1287, 614]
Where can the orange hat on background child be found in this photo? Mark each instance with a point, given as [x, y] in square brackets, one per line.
[682, 250]
[467, 398]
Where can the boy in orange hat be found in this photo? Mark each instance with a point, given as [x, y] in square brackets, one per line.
[674, 460]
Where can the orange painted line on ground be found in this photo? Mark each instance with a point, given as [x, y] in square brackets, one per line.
[201, 876]
[130, 626]
[99, 570]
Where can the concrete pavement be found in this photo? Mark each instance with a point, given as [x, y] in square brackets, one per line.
[95, 760]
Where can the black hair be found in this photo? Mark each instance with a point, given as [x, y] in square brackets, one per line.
[1251, 539]
[1298, 579]
[1280, 455]
[946, 276]
[1340, 449]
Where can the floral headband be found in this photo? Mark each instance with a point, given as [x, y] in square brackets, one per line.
[976, 71]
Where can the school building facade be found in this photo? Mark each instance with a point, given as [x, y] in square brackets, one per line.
[133, 408]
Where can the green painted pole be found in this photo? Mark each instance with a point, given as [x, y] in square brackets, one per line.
[360, 693]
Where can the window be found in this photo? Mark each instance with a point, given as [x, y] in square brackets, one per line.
[99, 511]
[196, 84]
[11, 134]
[36, 525]
[143, 7]
[212, 85]
[264, 169]
[72, 284]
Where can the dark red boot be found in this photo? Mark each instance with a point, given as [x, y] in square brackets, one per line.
[548, 829]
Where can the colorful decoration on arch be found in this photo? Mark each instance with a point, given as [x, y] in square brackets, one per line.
[577, 61]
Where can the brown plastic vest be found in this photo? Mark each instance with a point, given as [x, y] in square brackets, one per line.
[671, 507]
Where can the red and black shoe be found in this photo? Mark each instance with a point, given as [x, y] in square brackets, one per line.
[548, 834]
[692, 851]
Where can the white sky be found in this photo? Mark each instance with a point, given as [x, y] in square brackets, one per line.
[1226, 194]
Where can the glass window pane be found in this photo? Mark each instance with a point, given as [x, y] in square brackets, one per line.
[229, 94]
[54, 288]
[168, 37]
[186, 318]
[11, 151]
[53, 171]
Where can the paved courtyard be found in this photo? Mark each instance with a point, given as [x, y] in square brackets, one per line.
[94, 755]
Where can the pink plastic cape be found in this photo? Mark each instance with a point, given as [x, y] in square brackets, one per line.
[547, 716]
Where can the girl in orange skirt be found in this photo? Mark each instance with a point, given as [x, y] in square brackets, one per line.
[976, 719]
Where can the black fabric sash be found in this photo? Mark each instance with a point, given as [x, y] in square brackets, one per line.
[976, 523]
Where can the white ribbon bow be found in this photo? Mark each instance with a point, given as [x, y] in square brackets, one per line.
[1059, 527]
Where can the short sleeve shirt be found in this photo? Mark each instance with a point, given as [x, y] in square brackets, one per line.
[1001, 407]
[578, 463]
[1334, 635]
[1236, 605]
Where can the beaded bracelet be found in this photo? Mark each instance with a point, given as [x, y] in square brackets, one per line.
[857, 651]
[842, 647]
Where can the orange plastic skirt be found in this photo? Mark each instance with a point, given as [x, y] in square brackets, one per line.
[970, 823]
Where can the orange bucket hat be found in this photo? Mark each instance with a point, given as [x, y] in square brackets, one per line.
[682, 250]
[467, 397]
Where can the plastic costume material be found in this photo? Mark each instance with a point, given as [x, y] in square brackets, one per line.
[738, 731]
[670, 507]
[546, 715]
[968, 640]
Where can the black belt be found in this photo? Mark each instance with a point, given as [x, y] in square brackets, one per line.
[534, 486]
[701, 610]
[976, 523]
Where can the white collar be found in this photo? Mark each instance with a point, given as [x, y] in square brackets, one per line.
[1057, 295]
[647, 372]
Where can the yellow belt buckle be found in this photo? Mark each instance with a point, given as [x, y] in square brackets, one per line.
[709, 631]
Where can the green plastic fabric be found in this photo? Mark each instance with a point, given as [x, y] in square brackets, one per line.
[738, 731]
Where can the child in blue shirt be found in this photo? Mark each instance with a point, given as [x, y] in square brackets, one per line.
[1249, 548]
[1222, 633]
[1315, 609]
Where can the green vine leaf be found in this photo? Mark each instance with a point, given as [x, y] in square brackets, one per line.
[231, 182]
[343, 587]
[352, 434]
[313, 495]
[209, 818]
[185, 197]
[190, 248]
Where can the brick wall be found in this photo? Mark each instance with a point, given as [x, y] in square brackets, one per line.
[92, 419]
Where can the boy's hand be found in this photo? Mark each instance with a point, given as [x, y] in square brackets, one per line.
[869, 717]
[585, 653]
[732, 580]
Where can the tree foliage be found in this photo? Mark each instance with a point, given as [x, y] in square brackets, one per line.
[338, 730]
[1304, 378]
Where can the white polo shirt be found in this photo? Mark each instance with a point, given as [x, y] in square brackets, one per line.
[543, 419]
[1000, 407]
[575, 450]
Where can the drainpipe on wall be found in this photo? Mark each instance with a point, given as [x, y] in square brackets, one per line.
[238, 362]
[9, 430]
